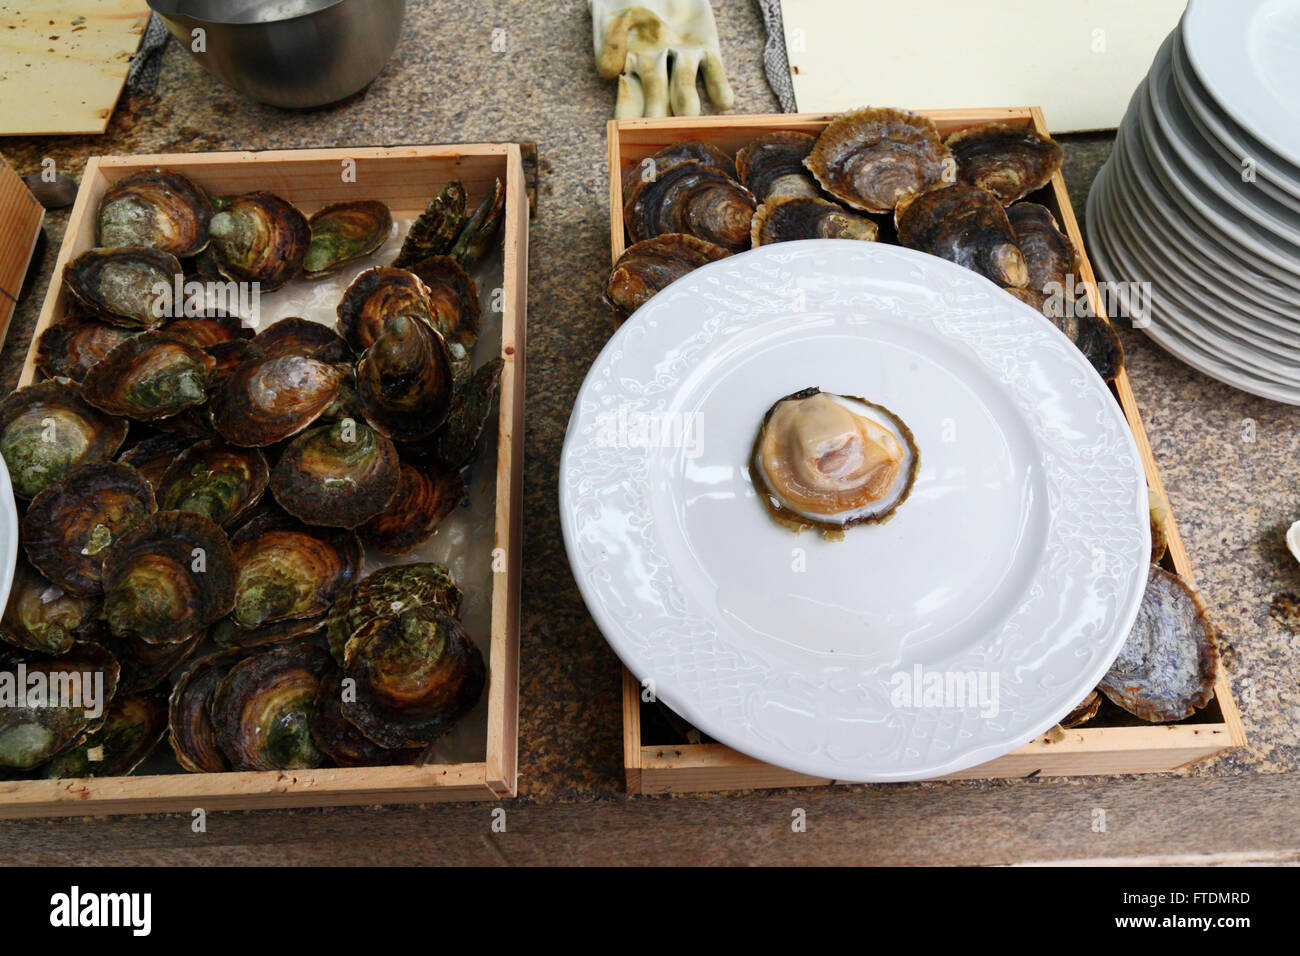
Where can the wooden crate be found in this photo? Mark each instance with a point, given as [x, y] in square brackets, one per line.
[405, 178]
[20, 225]
[674, 768]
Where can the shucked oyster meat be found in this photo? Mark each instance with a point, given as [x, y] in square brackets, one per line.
[1008, 161]
[873, 159]
[832, 461]
[967, 226]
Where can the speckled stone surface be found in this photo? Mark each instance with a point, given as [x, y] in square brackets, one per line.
[1232, 497]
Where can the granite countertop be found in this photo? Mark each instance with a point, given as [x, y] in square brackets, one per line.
[1228, 462]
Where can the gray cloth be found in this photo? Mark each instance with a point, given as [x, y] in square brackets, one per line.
[776, 63]
[143, 75]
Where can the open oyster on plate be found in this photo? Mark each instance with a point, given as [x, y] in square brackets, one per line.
[772, 166]
[121, 285]
[830, 462]
[692, 198]
[874, 159]
[651, 265]
[260, 238]
[155, 209]
[967, 226]
[784, 220]
[48, 429]
[1008, 161]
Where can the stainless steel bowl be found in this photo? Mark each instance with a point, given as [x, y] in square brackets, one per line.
[291, 53]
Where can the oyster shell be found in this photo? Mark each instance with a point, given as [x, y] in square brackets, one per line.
[875, 159]
[295, 336]
[374, 298]
[1050, 257]
[264, 402]
[404, 381]
[1165, 670]
[337, 476]
[151, 457]
[424, 497]
[148, 377]
[453, 299]
[782, 220]
[651, 265]
[832, 461]
[229, 356]
[1084, 712]
[121, 286]
[204, 331]
[70, 347]
[479, 233]
[32, 731]
[345, 231]
[339, 739]
[286, 570]
[260, 238]
[967, 226]
[454, 443]
[388, 591]
[772, 166]
[227, 633]
[1008, 161]
[190, 729]
[70, 526]
[687, 151]
[47, 429]
[42, 617]
[416, 674]
[215, 479]
[691, 198]
[145, 666]
[1159, 518]
[435, 231]
[169, 577]
[1095, 337]
[131, 730]
[155, 209]
[262, 708]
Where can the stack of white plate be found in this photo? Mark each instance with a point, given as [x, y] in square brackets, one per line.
[1200, 198]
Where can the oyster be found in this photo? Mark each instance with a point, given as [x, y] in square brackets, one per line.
[424, 497]
[215, 479]
[832, 461]
[772, 166]
[169, 577]
[229, 356]
[454, 443]
[388, 591]
[145, 666]
[435, 232]
[1050, 257]
[47, 429]
[70, 347]
[374, 298]
[189, 725]
[1084, 712]
[479, 233]
[70, 526]
[967, 226]
[261, 709]
[345, 231]
[295, 336]
[338, 476]
[691, 198]
[35, 727]
[151, 457]
[416, 674]
[1159, 518]
[131, 730]
[260, 238]
[688, 151]
[157, 210]
[339, 739]
[264, 402]
[404, 381]
[1094, 337]
[875, 159]
[122, 286]
[148, 377]
[42, 617]
[1165, 670]
[453, 299]
[286, 570]
[227, 633]
[781, 220]
[204, 331]
[651, 265]
[1008, 161]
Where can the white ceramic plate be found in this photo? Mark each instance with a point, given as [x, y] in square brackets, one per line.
[1019, 559]
[8, 535]
[1247, 54]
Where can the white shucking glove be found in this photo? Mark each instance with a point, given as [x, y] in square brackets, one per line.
[642, 43]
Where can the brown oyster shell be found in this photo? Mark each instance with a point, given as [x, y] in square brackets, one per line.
[425, 496]
[405, 380]
[691, 198]
[340, 740]
[687, 151]
[1092, 335]
[260, 238]
[1084, 712]
[193, 738]
[70, 347]
[264, 402]
[157, 209]
[227, 633]
[873, 159]
[148, 377]
[1008, 161]
[145, 666]
[1159, 518]
[454, 443]
[152, 456]
[1166, 669]
[385, 592]
[295, 336]
[376, 296]
[35, 731]
[344, 231]
[31, 416]
[203, 331]
[967, 226]
[650, 266]
[787, 219]
[131, 729]
[42, 617]
[215, 479]
[1050, 256]
[118, 285]
[338, 476]
[453, 299]
[772, 166]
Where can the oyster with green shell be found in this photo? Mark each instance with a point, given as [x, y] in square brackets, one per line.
[436, 229]
[152, 456]
[131, 730]
[389, 591]
[374, 298]
[339, 475]
[405, 380]
[70, 526]
[149, 377]
[36, 726]
[261, 710]
[155, 209]
[227, 633]
[259, 237]
[344, 231]
[455, 441]
[479, 233]
[43, 618]
[121, 286]
[215, 479]
[48, 429]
